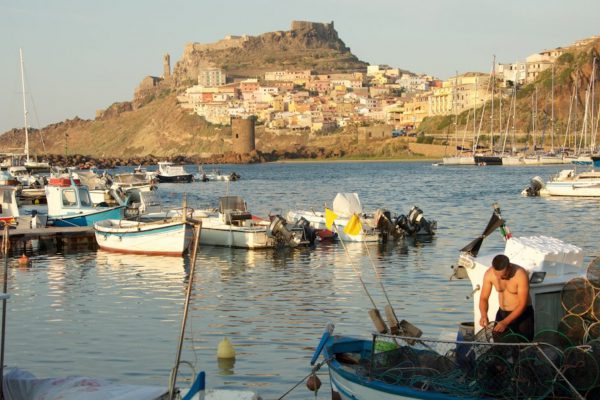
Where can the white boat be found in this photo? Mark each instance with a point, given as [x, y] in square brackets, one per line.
[232, 225]
[169, 172]
[10, 213]
[569, 183]
[459, 160]
[70, 204]
[479, 364]
[345, 205]
[166, 237]
[214, 175]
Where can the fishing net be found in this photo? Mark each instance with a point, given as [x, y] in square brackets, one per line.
[594, 312]
[505, 369]
[593, 272]
[581, 367]
[577, 296]
[574, 327]
[593, 332]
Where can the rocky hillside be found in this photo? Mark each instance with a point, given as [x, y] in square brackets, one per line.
[153, 123]
[307, 45]
[572, 74]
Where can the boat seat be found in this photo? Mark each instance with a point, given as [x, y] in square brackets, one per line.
[235, 215]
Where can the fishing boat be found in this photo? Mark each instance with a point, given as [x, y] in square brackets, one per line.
[232, 225]
[70, 204]
[169, 237]
[398, 363]
[214, 175]
[169, 172]
[11, 214]
[567, 183]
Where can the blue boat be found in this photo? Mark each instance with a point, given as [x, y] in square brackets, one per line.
[560, 362]
[69, 204]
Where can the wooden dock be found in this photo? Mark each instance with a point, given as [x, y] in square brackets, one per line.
[57, 238]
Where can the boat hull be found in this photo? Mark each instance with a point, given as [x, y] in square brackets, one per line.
[175, 178]
[248, 239]
[458, 160]
[170, 239]
[352, 386]
[86, 218]
[570, 189]
[488, 160]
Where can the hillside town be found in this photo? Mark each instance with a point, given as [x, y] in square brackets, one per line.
[306, 101]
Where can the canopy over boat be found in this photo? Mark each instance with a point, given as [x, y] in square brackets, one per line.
[346, 204]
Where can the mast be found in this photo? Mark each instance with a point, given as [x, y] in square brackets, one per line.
[24, 105]
[552, 116]
[492, 111]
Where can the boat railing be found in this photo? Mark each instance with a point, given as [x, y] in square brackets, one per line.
[486, 365]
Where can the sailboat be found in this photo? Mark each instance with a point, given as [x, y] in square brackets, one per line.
[30, 164]
[482, 158]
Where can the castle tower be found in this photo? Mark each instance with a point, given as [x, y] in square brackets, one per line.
[242, 132]
[167, 67]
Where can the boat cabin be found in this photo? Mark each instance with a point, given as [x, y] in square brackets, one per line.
[233, 210]
[67, 196]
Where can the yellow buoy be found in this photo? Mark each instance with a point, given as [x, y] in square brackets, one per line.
[225, 349]
[23, 260]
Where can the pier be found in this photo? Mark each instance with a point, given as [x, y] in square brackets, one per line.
[57, 238]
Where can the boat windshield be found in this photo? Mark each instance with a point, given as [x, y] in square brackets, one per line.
[69, 198]
[84, 197]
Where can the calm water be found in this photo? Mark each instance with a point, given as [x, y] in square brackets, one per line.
[118, 317]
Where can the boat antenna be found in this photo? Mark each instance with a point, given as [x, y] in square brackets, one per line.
[173, 378]
[24, 105]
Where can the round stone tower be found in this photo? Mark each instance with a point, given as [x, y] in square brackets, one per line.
[242, 132]
[167, 67]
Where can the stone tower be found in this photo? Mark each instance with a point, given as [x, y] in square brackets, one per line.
[242, 135]
[167, 67]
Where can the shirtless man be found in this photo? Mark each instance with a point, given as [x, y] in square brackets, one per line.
[512, 284]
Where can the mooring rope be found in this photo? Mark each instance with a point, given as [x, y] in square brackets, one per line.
[312, 372]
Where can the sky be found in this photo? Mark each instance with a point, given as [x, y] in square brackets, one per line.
[81, 56]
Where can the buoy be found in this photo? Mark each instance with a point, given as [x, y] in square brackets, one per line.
[225, 349]
[23, 260]
[313, 383]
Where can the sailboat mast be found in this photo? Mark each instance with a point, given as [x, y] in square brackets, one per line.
[552, 116]
[24, 105]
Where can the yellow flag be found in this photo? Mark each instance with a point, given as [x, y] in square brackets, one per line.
[354, 227]
[330, 216]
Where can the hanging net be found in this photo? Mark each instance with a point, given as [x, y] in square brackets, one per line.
[577, 296]
[593, 272]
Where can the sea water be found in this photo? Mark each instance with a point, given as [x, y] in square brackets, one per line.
[88, 312]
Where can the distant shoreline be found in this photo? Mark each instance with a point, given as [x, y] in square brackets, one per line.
[365, 160]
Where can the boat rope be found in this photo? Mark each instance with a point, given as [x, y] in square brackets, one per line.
[378, 276]
[356, 271]
[313, 371]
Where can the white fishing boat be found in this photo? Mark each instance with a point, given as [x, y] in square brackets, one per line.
[458, 160]
[232, 225]
[169, 172]
[170, 237]
[214, 175]
[397, 363]
[70, 204]
[567, 183]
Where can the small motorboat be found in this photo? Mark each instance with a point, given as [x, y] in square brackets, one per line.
[169, 237]
[169, 172]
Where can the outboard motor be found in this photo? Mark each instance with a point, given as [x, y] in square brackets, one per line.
[309, 232]
[385, 225]
[535, 186]
[415, 223]
[278, 229]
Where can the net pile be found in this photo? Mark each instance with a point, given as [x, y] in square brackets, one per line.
[502, 369]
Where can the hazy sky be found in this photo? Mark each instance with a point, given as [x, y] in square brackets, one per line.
[81, 55]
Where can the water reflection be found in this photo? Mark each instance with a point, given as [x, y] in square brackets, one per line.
[117, 316]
